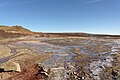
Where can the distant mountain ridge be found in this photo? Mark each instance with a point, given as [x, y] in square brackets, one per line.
[19, 31]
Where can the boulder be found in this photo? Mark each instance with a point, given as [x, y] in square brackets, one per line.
[11, 66]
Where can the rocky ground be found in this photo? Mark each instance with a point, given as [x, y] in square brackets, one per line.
[75, 58]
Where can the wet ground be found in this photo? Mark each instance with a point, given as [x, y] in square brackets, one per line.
[71, 58]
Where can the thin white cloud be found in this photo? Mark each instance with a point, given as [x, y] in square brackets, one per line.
[91, 2]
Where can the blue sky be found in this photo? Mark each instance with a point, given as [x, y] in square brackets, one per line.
[91, 16]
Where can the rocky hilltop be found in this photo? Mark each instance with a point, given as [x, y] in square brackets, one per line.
[13, 31]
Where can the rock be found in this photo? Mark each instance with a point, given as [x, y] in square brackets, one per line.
[75, 73]
[114, 74]
[11, 66]
[45, 69]
[18, 69]
[83, 78]
[75, 77]
[46, 74]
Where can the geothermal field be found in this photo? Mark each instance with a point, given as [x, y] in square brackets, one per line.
[60, 56]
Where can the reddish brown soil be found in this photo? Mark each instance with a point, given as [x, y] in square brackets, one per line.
[31, 73]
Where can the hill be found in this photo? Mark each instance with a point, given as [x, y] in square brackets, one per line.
[13, 31]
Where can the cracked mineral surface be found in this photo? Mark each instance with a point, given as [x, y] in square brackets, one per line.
[60, 59]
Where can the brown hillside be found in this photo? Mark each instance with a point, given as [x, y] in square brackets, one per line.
[19, 31]
[15, 29]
